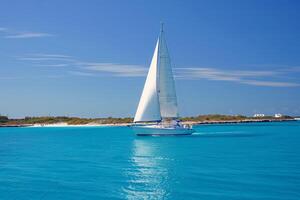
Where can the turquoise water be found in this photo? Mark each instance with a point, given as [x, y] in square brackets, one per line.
[241, 161]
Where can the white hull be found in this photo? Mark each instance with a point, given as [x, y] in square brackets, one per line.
[160, 131]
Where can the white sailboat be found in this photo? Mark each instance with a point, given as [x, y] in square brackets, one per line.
[157, 112]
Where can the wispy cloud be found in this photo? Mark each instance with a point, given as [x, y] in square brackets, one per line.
[51, 76]
[3, 29]
[217, 74]
[291, 69]
[249, 77]
[81, 68]
[12, 34]
[40, 58]
[50, 55]
[46, 57]
[52, 65]
[117, 69]
[28, 35]
[9, 77]
[267, 78]
[270, 83]
[80, 73]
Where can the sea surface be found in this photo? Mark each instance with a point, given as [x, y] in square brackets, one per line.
[232, 161]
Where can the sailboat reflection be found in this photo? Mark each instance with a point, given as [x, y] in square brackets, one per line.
[148, 176]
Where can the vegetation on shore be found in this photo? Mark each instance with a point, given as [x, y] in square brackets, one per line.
[63, 119]
[4, 120]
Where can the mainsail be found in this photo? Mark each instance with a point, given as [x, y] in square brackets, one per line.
[158, 100]
[167, 93]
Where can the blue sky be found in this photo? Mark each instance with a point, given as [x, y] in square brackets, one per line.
[89, 58]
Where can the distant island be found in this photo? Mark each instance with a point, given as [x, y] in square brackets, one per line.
[200, 119]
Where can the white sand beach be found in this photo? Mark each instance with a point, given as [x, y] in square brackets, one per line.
[79, 125]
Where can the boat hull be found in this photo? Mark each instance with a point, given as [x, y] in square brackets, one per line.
[153, 131]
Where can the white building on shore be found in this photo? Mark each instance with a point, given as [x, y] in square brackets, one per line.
[278, 115]
[259, 115]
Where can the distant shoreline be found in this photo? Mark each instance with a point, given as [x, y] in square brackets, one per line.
[237, 121]
[128, 124]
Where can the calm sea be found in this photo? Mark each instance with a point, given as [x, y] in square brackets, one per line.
[241, 161]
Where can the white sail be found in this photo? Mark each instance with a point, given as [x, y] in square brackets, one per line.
[148, 108]
[167, 93]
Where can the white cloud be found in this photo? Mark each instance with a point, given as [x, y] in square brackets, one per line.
[28, 35]
[50, 55]
[244, 77]
[40, 58]
[53, 65]
[216, 74]
[267, 78]
[117, 69]
[79, 73]
[271, 83]
[54, 76]
[9, 78]
[46, 57]
[3, 29]
[12, 34]
[291, 69]
[61, 60]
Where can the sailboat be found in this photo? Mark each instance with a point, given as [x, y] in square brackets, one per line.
[157, 112]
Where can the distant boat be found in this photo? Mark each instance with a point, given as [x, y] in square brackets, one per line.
[157, 112]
